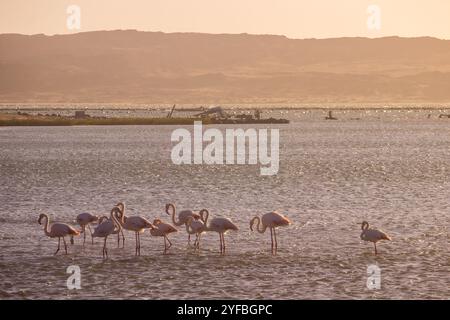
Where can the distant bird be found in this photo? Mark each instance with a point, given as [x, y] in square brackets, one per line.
[197, 226]
[84, 220]
[137, 224]
[270, 220]
[106, 227]
[372, 235]
[221, 226]
[57, 230]
[162, 230]
[183, 216]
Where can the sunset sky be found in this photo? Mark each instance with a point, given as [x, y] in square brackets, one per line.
[293, 18]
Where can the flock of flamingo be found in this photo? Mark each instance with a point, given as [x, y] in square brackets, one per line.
[195, 224]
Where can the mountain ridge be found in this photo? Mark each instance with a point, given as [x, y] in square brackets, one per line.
[130, 66]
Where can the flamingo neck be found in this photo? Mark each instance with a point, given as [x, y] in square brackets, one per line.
[121, 206]
[119, 215]
[47, 225]
[259, 228]
[172, 207]
[114, 219]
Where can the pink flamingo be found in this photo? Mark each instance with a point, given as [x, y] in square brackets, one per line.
[105, 228]
[197, 226]
[221, 226]
[162, 230]
[84, 220]
[270, 220]
[372, 235]
[137, 224]
[57, 230]
[183, 217]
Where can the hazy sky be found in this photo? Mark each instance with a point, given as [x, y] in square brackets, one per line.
[293, 18]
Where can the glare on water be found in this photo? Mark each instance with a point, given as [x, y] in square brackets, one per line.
[391, 171]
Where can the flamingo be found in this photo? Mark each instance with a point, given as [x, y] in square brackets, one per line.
[162, 230]
[121, 206]
[221, 226]
[84, 220]
[372, 235]
[106, 228]
[183, 217]
[197, 226]
[57, 230]
[270, 220]
[137, 224]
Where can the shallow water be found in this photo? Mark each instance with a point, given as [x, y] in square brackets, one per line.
[393, 172]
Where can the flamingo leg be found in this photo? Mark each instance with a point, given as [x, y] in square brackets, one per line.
[170, 243]
[165, 244]
[223, 242]
[139, 244]
[120, 233]
[59, 243]
[65, 244]
[136, 248]
[275, 237]
[271, 240]
[71, 240]
[195, 241]
[83, 229]
[375, 245]
[189, 239]
[198, 240]
[220, 238]
[105, 251]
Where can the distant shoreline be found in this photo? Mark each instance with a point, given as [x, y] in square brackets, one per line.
[225, 106]
[23, 119]
[12, 120]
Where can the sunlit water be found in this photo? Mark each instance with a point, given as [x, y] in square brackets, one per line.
[393, 172]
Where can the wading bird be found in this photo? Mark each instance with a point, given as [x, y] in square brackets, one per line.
[197, 226]
[372, 235]
[57, 230]
[84, 220]
[270, 220]
[162, 230]
[137, 224]
[106, 227]
[221, 226]
[183, 217]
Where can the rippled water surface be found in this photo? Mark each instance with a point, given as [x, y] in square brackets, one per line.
[333, 174]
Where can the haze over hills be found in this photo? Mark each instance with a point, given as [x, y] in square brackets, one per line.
[154, 67]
